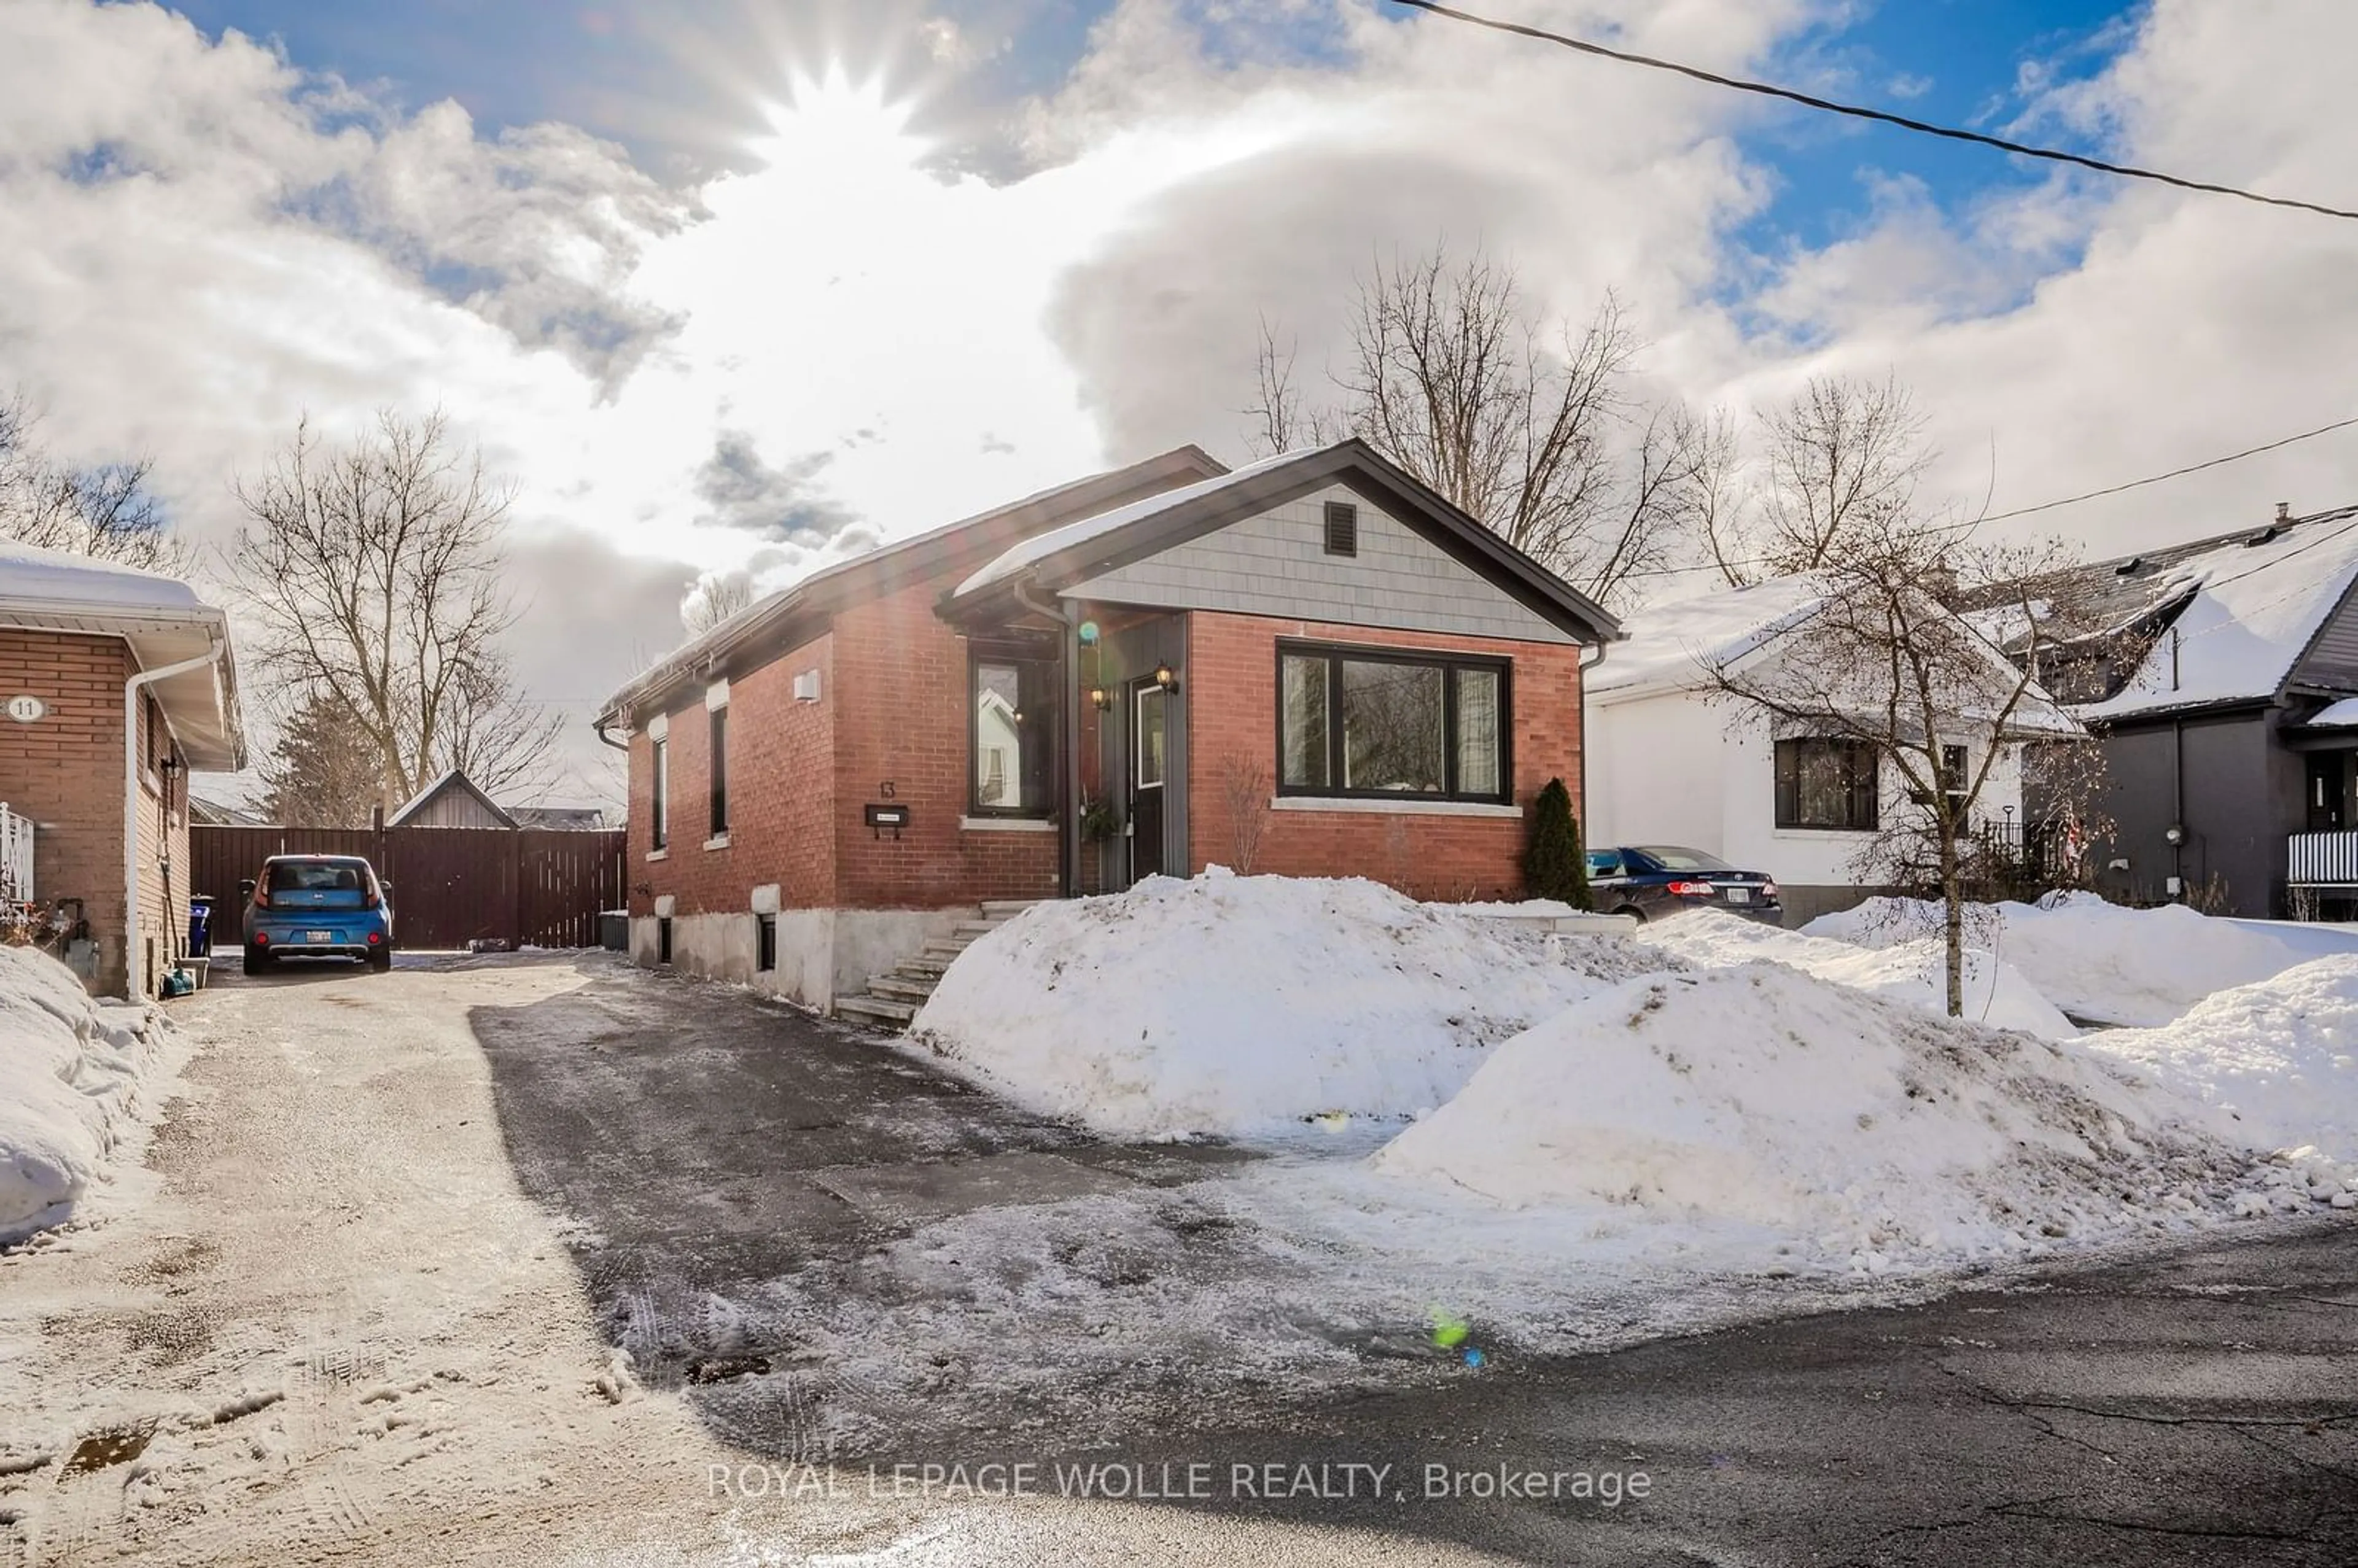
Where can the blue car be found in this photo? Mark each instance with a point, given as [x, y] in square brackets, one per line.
[1651, 881]
[317, 906]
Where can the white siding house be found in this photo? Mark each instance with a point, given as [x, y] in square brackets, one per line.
[1671, 762]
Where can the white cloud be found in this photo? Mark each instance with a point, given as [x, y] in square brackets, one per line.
[199, 241]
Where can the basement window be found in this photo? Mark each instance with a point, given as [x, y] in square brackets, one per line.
[663, 939]
[765, 943]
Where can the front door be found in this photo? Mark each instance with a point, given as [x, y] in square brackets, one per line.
[1149, 741]
[2329, 790]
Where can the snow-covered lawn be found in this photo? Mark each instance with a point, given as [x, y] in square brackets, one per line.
[1996, 993]
[79, 1083]
[2100, 961]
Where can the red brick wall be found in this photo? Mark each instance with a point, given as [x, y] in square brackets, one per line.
[65, 773]
[1232, 679]
[901, 684]
[781, 796]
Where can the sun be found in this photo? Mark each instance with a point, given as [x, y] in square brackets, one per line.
[832, 123]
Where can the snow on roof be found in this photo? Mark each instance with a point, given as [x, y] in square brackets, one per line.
[1039, 546]
[2342, 714]
[1677, 645]
[34, 573]
[2254, 608]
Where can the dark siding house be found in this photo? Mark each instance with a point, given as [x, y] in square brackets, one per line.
[2222, 678]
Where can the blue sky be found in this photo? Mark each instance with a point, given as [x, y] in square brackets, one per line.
[676, 80]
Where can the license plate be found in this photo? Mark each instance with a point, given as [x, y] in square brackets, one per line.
[1739, 895]
[319, 937]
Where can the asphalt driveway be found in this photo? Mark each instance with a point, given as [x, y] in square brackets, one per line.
[728, 1170]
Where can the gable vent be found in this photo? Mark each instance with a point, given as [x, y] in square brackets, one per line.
[1342, 528]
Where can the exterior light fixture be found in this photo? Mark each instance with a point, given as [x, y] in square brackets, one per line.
[1166, 678]
[2175, 834]
[1100, 699]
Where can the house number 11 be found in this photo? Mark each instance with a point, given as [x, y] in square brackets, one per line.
[26, 710]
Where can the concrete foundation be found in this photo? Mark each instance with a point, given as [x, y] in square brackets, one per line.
[821, 953]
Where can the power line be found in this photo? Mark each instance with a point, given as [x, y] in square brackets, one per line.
[1880, 116]
[2174, 473]
[2051, 505]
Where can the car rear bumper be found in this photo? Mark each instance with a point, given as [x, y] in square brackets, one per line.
[301, 942]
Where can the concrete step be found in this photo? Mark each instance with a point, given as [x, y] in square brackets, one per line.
[901, 988]
[1005, 908]
[971, 929]
[876, 1010]
[927, 963]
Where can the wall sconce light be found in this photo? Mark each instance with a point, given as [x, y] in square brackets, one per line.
[1166, 678]
[2175, 835]
[1100, 699]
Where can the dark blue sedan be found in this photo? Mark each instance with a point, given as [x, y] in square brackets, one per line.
[317, 906]
[1651, 881]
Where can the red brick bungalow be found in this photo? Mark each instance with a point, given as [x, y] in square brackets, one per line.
[1145, 672]
[115, 684]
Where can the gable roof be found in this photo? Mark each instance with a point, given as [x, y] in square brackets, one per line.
[161, 618]
[778, 622]
[1674, 649]
[452, 780]
[1091, 547]
[2243, 608]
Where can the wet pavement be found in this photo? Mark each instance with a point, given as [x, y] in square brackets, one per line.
[720, 1162]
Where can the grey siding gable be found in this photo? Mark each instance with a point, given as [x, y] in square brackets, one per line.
[2332, 661]
[1275, 564]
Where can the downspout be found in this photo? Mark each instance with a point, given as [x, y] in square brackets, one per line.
[1068, 830]
[597, 727]
[130, 691]
[1586, 664]
[2178, 803]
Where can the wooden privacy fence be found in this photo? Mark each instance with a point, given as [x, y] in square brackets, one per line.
[530, 886]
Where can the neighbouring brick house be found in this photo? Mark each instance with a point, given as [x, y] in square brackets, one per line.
[115, 684]
[1314, 658]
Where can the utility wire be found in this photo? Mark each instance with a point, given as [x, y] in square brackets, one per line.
[2174, 473]
[1858, 113]
[2051, 505]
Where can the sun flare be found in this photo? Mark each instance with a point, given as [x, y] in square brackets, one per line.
[849, 125]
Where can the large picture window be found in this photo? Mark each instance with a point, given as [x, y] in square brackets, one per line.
[1012, 703]
[1827, 783]
[1368, 722]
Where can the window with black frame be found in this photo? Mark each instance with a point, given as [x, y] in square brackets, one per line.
[1827, 783]
[1011, 704]
[1363, 722]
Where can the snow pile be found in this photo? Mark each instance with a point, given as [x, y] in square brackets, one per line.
[2095, 960]
[1771, 1102]
[1236, 1004]
[71, 1076]
[1912, 972]
[2278, 1062]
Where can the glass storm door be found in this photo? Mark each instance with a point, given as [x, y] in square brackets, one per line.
[1149, 761]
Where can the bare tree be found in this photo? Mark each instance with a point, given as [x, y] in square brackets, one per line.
[106, 512]
[1449, 374]
[1885, 689]
[715, 597]
[1843, 460]
[375, 572]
